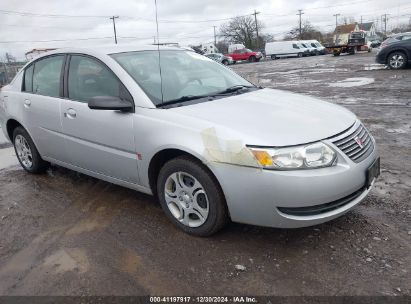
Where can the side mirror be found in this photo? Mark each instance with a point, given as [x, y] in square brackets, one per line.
[110, 103]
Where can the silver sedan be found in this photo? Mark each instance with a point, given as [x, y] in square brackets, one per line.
[211, 145]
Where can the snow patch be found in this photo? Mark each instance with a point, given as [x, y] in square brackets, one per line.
[352, 82]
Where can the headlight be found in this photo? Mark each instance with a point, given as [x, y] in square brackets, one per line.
[315, 155]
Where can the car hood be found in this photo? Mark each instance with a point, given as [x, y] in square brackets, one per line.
[270, 117]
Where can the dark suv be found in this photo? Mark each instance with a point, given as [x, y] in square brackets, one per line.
[395, 51]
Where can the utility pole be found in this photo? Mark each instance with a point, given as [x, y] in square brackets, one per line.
[385, 24]
[337, 34]
[336, 19]
[256, 26]
[361, 24]
[114, 26]
[215, 36]
[300, 12]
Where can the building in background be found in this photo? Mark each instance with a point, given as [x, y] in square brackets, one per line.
[342, 32]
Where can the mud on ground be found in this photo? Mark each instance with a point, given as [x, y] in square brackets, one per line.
[64, 233]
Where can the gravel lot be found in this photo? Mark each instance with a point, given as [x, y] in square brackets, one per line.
[63, 233]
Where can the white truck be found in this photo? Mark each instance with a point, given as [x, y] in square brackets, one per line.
[278, 49]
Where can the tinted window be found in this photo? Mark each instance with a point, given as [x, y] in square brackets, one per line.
[295, 46]
[46, 76]
[28, 79]
[89, 78]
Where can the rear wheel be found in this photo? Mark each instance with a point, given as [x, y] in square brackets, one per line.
[397, 60]
[225, 62]
[300, 55]
[191, 197]
[274, 57]
[27, 153]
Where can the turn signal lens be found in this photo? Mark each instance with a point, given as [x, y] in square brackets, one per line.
[263, 157]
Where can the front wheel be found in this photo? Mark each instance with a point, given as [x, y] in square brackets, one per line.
[252, 59]
[27, 153]
[300, 55]
[397, 60]
[191, 197]
[225, 62]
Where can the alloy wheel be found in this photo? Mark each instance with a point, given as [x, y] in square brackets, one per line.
[23, 151]
[397, 61]
[186, 199]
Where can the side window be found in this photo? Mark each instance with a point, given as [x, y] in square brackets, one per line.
[406, 37]
[46, 76]
[295, 46]
[89, 78]
[28, 79]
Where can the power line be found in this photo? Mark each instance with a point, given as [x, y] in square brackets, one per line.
[56, 40]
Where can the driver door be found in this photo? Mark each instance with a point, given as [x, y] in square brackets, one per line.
[101, 141]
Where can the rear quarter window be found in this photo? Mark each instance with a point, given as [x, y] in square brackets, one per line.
[28, 79]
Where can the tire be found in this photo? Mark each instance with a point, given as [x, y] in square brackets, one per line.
[397, 60]
[234, 62]
[225, 62]
[273, 57]
[181, 207]
[252, 59]
[27, 153]
[300, 55]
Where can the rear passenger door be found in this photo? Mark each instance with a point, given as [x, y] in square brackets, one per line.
[40, 100]
[101, 141]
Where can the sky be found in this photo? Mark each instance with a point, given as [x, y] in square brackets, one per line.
[28, 24]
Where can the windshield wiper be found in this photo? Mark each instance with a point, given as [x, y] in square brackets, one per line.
[235, 89]
[182, 99]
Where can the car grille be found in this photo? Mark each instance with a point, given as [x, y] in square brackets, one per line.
[357, 145]
[323, 208]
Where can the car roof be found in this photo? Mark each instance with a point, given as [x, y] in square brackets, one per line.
[102, 50]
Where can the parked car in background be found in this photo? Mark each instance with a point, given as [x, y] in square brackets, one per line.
[306, 50]
[208, 143]
[395, 51]
[221, 58]
[319, 48]
[278, 49]
[245, 54]
[311, 50]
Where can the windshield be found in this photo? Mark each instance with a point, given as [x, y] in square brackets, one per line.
[183, 73]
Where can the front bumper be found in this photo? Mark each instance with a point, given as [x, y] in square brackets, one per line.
[257, 196]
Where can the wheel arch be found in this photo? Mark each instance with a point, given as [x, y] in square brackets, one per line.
[11, 125]
[164, 155]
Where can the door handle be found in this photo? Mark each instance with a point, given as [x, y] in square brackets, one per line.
[71, 113]
[27, 103]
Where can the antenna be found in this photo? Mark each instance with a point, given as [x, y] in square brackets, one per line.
[159, 56]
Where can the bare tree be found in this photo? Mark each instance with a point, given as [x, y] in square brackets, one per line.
[308, 32]
[241, 30]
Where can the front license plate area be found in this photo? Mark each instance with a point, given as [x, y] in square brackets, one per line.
[373, 172]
